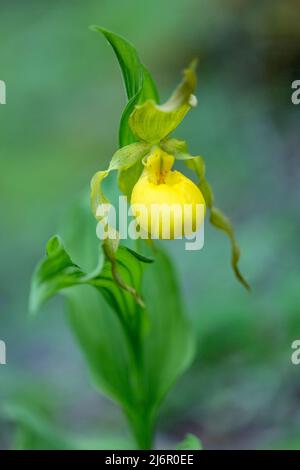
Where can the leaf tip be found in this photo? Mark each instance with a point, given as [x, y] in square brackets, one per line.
[190, 442]
[95, 28]
[53, 244]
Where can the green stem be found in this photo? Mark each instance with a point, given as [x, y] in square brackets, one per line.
[139, 418]
[143, 429]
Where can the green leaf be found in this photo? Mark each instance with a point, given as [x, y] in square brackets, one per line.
[54, 273]
[190, 442]
[139, 84]
[140, 257]
[36, 430]
[147, 91]
[103, 324]
[169, 345]
[160, 337]
[217, 218]
[127, 58]
[57, 272]
[152, 123]
[103, 341]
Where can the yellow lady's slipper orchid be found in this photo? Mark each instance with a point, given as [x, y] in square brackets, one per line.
[166, 203]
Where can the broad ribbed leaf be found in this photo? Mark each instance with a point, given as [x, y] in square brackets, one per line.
[161, 336]
[169, 344]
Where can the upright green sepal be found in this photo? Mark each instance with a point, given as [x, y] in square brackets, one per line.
[152, 123]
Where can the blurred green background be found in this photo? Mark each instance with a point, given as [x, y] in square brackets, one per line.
[60, 123]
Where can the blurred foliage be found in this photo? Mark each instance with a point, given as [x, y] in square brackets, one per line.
[243, 391]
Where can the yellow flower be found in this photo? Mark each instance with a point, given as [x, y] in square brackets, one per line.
[166, 203]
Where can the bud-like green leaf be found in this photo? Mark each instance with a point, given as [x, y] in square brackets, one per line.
[151, 122]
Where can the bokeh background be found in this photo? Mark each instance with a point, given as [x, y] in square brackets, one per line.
[64, 98]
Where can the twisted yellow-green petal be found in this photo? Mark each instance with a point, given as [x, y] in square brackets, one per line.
[217, 218]
[124, 159]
